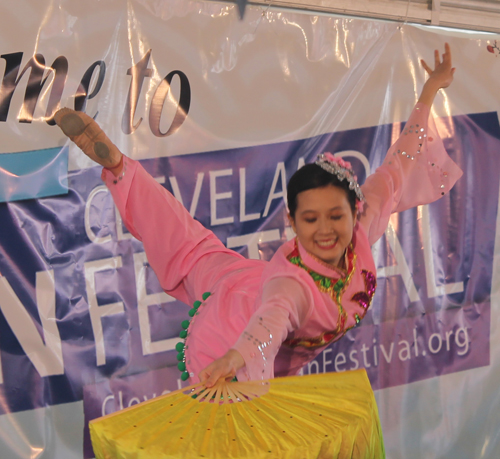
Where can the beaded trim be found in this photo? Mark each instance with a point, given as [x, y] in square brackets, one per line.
[122, 173]
[184, 334]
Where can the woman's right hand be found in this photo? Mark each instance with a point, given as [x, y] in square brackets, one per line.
[225, 368]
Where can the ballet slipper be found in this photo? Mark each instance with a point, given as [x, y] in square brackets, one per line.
[89, 137]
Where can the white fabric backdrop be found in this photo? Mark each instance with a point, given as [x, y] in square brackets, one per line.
[274, 77]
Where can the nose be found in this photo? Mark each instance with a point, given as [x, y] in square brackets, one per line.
[326, 226]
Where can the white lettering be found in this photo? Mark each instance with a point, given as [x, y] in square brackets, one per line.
[243, 190]
[387, 358]
[363, 351]
[120, 399]
[433, 290]
[143, 302]
[196, 193]
[354, 359]
[88, 205]
[375, 355]
[325, 360]
[339, 360]
[401, 267]
[404, 350]
[440, 343]
[96, 311]
[312, 364]
[448, 334]
[273, 194]
[465, 343]
[109, 398]
[214, 197]
[46, 357]
[415, 341]
[133, 401]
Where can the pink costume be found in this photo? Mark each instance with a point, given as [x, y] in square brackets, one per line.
[280, 314]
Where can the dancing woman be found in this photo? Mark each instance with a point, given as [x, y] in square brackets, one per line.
[254, 319]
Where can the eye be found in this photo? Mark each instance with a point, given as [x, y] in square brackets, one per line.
[309, 220]
[336, 217]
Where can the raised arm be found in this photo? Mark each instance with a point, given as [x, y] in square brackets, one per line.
[417, 169]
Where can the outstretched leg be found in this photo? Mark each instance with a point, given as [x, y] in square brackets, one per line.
[187, 258]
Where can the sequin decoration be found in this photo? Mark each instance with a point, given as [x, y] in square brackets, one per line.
[259, 344]
[122, 173]
[414, 148]
[364, 299]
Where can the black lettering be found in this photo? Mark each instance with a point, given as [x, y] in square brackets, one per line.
[158, 101]
[82, 94]
[138, 73]
[36, 81]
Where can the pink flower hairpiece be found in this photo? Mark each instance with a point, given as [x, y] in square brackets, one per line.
[336, 159]
[343, 171]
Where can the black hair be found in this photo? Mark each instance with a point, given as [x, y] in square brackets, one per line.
[313, 176]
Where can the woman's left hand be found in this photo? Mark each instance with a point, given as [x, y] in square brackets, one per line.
[442, 75]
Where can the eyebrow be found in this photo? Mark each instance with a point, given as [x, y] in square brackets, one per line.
[316, 211]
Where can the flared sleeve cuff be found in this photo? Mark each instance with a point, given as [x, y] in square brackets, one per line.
[417, 170]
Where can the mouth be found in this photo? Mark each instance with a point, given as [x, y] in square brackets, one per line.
[328, 244]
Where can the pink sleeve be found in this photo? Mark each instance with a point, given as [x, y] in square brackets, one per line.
[285, 306]
[173, 241]
[417, 170]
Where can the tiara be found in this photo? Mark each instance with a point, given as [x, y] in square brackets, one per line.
[343, 171]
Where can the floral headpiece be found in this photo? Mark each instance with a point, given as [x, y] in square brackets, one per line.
[343, 171]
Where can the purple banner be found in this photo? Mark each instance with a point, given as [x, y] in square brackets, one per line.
[407, 350]
[82, 316]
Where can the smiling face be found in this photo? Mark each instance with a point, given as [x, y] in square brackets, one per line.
[324, 222]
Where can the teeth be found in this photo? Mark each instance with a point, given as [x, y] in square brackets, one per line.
[325, 243]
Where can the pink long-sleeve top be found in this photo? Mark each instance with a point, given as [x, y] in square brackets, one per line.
[280, 314]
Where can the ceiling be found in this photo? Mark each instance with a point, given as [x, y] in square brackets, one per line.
[483, 15]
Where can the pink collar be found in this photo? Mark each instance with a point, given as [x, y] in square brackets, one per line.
[318, 265]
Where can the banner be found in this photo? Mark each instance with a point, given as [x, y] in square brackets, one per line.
[222, 112]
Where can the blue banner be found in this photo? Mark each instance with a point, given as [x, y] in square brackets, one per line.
[33, 174]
